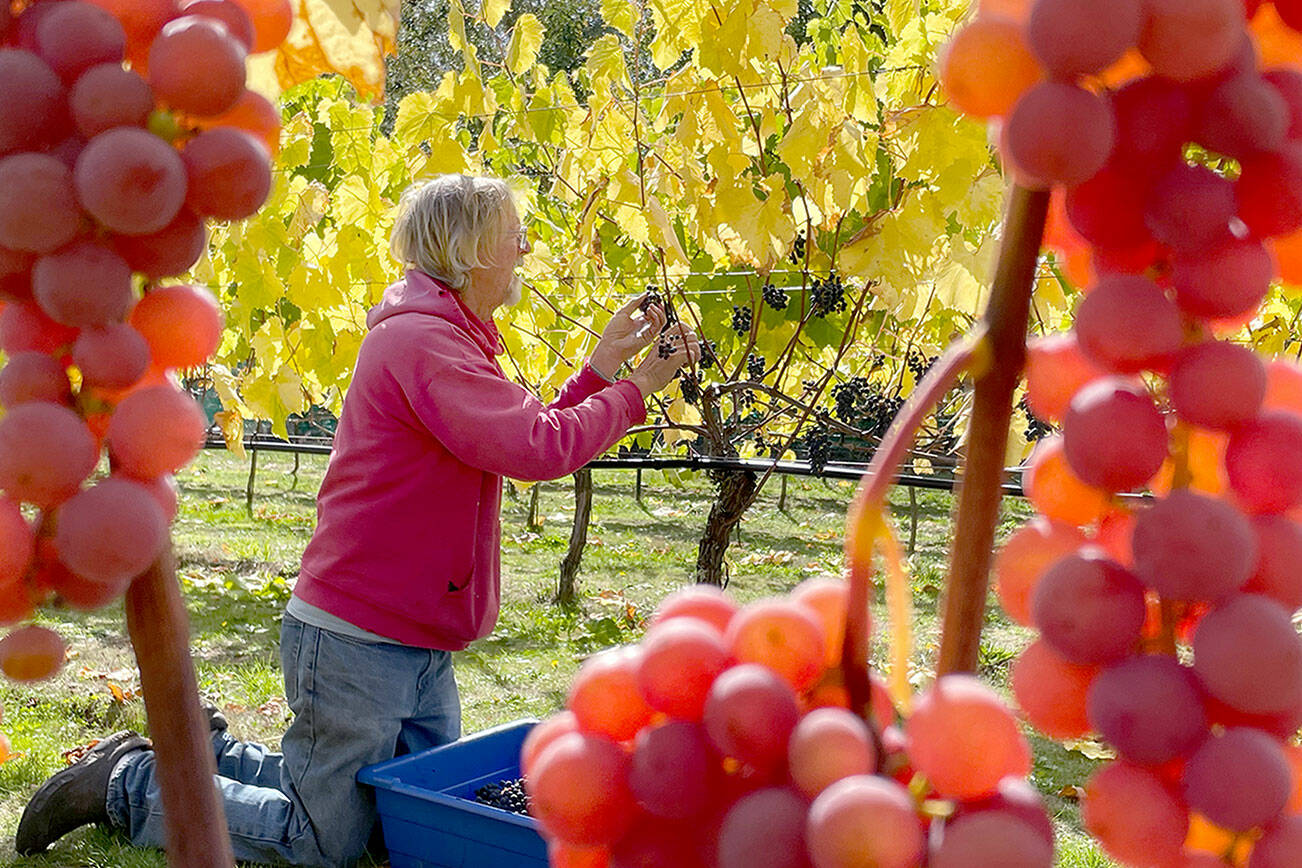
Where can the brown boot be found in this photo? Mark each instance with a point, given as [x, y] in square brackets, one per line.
[75, 796]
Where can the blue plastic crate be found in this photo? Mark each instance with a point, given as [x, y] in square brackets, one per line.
[428, 811]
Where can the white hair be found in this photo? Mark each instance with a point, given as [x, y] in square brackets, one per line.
[451, 224]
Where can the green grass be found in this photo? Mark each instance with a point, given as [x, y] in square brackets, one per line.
[238, 570]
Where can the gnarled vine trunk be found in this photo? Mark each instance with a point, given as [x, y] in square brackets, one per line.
[737, 491]
[566, 590]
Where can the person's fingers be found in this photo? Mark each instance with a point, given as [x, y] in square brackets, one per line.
[655, 314]
[632, 305]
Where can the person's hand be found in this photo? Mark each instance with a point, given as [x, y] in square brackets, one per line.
[628, 332]
[655, 371]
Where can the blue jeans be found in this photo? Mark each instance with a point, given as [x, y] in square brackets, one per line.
[355, 703]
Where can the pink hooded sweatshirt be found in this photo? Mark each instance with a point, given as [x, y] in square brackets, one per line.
[408, 531]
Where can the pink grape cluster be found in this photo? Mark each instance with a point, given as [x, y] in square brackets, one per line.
[724, 740]
[1166, 627]
[124, 125]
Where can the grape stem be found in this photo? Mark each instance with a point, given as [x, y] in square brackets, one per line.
[1005, 320]
[160, 628]
[864, 521]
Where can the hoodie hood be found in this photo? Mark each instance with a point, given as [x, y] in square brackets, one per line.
[420, 293]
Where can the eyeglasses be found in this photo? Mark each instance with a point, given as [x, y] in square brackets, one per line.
[522, 239]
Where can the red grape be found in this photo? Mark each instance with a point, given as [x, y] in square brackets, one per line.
[1269, 191]
[781, 635]
[111, 357]
[963, 738]
[74, 36]
[1288, 83]
[229, 13]
[17, 544]
[1239, 780]
[108, 96]
[38, 205]
[1243, 116]
[26, 328]
[1217, 385]
[765, 828]
[1045, 148]
[1280, 846]
[1279, 552]
[228, 174]
[1089, 609]
[1090, 442]
[1056, 369]
[706, 602]
[1263, 462]
[1025, 557]
[1072, 38]
[1154, 120]
[33, 105]
[271, 21]
[1107, 209]
[1192, 547]
[827, 745]
[749, 715]
[1052, 691]
[991, 838]
[1247, 655]
[156, 430]
[864, 821]
[1136, 818]
[31, 653]
[604, 695]
[111, 532]
[1127, 324]
[671, 769]
[681, 658]
[172, 250]
[1189, 39]
[83, 284]
[196, 66]
[1149, 709]
[46, 452]
[1189, 208]
[131, 181]
[1226, 282]
[580, 789]
[33, 377]
[182, 324]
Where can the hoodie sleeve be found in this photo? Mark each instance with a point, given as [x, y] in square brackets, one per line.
[586, 383]
[493, 424]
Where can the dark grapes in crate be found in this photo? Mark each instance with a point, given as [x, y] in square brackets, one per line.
[505, 796]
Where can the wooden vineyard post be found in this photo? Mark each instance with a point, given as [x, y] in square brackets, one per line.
[997, 377]
[160, 633]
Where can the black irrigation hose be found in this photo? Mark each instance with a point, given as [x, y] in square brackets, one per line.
[1012, 486]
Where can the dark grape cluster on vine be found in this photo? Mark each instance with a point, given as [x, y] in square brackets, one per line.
[743, 399]
[755, 367]
[775, 297]
[862, 403]
[709, 354]
[504, 795]
[651, 298]
[741, 319]
[828, 295]
[918, 364]
[690, 388]
[797, 254]
[1035, 429]
[818, 447]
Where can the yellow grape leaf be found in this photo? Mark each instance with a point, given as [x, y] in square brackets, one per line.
[232, 426]
[348, 37]
[803, 141]
[621, 15]
[494, 10]
[526, 39]
[606, 60]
